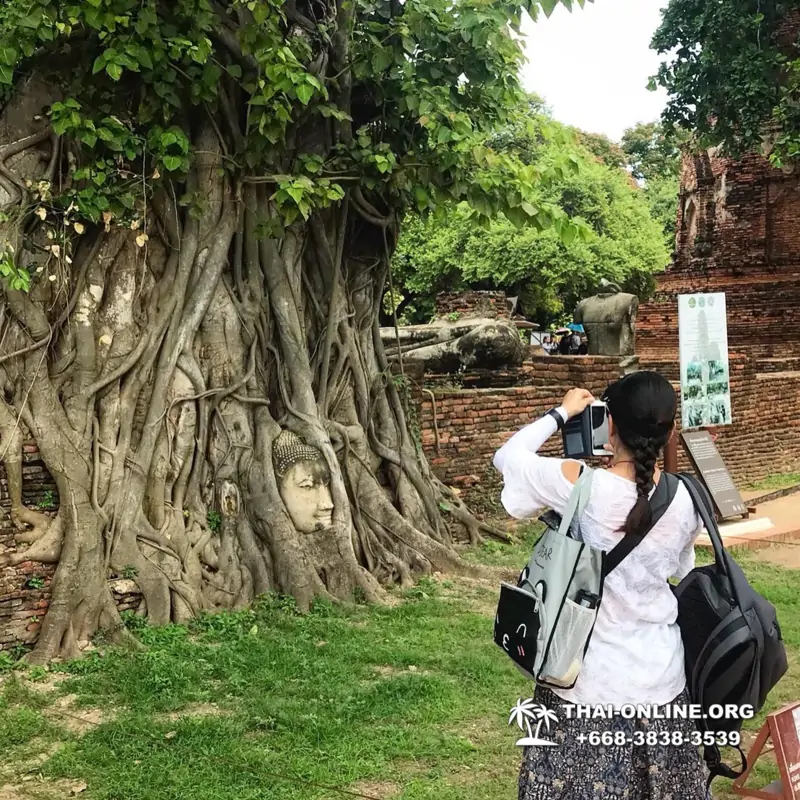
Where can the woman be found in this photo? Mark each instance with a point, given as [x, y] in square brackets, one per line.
[635, 656]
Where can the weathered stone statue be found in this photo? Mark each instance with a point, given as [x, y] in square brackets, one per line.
[303, 482]
[609, 319]
[448, 347]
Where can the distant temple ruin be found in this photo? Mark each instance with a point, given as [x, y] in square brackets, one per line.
[738, 232]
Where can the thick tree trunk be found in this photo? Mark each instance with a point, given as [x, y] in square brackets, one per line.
[158, 368]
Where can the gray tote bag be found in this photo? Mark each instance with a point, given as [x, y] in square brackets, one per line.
[545, 622]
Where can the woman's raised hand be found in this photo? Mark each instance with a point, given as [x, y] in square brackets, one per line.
[576, 400]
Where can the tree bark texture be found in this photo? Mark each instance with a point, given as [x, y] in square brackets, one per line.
[155, 375]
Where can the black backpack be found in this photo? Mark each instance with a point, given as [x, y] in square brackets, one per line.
[734, 650]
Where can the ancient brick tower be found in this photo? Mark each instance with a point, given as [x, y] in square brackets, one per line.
[738, 232]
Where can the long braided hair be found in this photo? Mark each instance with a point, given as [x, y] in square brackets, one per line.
[642, 406]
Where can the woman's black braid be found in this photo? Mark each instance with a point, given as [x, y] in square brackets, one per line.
[642, 406]
[645, 455]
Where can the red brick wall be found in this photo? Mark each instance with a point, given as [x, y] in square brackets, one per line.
[492, 305]
[764, 438]
[473, 423]
[22, 605]
[738, 232]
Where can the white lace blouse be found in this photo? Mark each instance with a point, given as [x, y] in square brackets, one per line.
[635, 655]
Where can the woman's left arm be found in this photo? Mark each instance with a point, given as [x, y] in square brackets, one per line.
[532, 482]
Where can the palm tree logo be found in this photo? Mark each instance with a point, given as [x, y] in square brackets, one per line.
[526, 711]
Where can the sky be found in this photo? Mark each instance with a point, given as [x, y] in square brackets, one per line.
[592, 65]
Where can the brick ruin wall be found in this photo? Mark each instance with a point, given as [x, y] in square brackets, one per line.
[492, 305]
[25, 589]
[463, 425]
[737, 233]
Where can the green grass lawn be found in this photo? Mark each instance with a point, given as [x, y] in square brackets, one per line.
[408, 701]
[772, 483]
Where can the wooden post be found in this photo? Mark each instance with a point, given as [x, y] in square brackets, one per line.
[671, 454]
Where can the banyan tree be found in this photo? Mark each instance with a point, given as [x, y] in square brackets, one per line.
[199, 200]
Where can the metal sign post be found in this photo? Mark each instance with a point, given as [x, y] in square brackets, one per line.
[708, 464]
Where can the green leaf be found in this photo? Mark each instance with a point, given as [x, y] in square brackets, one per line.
[548, 6]
[8, 55]
[569, 233]
[304, 93]
[144, 58]
[381, 60]
[114, 71]
[295, 192]
[32, 20]
[172, 163]
[6, 74]
[99, 64]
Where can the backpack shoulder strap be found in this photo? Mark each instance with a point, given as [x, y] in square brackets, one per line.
[717, 768]
[659, 503]
[704, 507]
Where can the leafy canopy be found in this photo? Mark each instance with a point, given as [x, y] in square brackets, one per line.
[394, 97]
[550, 273]
[653, 156]
[729, 76]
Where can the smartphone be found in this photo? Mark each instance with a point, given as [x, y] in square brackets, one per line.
[585, 435]
[599, 418]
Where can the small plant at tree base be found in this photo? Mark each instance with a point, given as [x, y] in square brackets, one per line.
[37, 673]
[34, 582]
[129, 573]
[133, 621]
[214, 520]
[454, 316]
[425, 589]
[48, 501]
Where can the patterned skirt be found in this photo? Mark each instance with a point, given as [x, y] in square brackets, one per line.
[580, 767]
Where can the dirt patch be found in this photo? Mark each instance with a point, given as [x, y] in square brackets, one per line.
[194, 710]
[45, 684]
[480, 732]
[478, 595]
[76, 720]
[784, 555]
[377, 790]
[386, 671]
[36, 788]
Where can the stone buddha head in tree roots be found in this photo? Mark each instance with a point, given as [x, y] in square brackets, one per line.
[304, 483]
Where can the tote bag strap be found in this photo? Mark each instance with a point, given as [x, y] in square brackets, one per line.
[578, 499]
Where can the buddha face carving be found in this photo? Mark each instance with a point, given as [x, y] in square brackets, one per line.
[304, 483]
